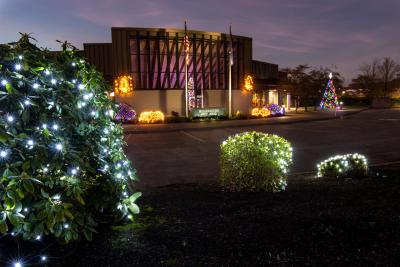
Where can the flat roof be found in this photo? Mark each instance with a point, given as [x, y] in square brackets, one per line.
[174, 30]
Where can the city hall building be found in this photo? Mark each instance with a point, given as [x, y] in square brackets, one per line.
[151, 62]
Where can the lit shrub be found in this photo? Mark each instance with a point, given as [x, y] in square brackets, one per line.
[254, 161]
[125, 113]
[342, 166]
[62, 165]
[260, 112]
[276, 110]
[151, 117]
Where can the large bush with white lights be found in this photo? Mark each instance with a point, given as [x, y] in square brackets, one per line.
[344, 166]
[62, 167]
[254, 161]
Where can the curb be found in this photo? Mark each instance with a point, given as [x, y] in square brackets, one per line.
[350, 113]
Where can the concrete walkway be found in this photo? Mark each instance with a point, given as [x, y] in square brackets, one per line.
[290, 117]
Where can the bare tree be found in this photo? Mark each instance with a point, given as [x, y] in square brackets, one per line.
[388, 71]
[369, 78]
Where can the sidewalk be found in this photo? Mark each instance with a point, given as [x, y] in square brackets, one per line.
[290, 117]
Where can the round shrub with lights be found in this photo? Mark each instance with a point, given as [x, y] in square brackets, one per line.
[276, 110]
[151, 117]
[62, 165]
[344, 166]
[254, 161]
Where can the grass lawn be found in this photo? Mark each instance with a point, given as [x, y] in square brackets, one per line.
[315, 222]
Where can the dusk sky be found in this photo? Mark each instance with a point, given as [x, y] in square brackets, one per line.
[342, 33]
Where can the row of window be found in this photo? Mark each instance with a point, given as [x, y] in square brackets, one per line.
[160, 64]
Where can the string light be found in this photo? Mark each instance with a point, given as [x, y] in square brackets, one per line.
[87, 96]
[4, 82]
[123, 85]
[53, 81]
[18, 264]
[18, 66]
[59, 146]
[47, 72]
[248, 83]
[55, 127]
[30, 144]
[35, 86]
[43, 258]
[10, 118]
[260, 112]
[81, 87]
[329, 99]
[27, 102]
[3, 153]
[151, 117]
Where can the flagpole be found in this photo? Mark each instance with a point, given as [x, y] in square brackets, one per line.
[186, 39]
[230, 72]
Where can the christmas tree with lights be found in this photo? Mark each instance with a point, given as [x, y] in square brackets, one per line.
[329, 99]
[62, 165]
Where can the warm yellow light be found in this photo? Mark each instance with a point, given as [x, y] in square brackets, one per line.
[248, 83]
[123, 85]
[151, 117]
[260, 112]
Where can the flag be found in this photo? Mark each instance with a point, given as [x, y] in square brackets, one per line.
[186, 45]
[230, 46]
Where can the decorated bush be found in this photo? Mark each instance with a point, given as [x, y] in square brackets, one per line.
[260, 112]
[125, 113]
[62, 166]
[254, 161]
[343, 166]
[151, 117]
[276, 110]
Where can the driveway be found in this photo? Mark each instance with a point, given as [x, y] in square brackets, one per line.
[191, 155]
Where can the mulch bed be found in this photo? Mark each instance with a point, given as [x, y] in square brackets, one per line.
[314, 222]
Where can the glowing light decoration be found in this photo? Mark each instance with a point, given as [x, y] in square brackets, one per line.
[191, 94]
[248, 83]
[276, 110]
[151, 117]
[123, 85]
[40, 119]
[342, 166]
[329, 99]
[125, 113]
[260, 112]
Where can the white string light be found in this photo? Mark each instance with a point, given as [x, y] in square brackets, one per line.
[10, 118]
[59, 146]
[3, 153]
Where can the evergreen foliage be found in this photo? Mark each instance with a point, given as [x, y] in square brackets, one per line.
[329, 99]
[62, 165]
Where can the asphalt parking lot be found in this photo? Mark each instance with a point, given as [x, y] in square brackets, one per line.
[191, 155]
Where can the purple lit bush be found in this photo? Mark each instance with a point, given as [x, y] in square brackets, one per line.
[276, 110]
[125, 113]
